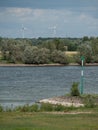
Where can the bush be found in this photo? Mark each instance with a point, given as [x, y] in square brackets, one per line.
[59, 108]
[34, 108]
[59, 57]
[1, 108]
[46, 107]
[27, 108]
[86, 51]
[89, 101]
[8, 109]
[77, 59]
[75, 90]
[95, 59]
[34, 55]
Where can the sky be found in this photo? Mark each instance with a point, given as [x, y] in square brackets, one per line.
[48, 18]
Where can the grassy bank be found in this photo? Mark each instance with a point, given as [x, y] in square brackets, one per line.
[48, 121]
[52, 117]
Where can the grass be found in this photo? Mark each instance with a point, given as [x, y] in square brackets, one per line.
[47, 121]
[71, 53]
[33, 118]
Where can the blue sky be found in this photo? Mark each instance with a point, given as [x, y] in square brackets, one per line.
[48, 18]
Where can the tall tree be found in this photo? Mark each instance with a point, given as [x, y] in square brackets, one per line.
[86, 51]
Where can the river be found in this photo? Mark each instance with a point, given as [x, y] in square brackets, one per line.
[26, 85]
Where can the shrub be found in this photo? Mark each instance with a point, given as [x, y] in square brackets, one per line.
[25, 108]
[95, 59]
[17, 109]
[86, 51]
[1, 108]
[89, 101]
[59, 108]
[46, 107]
[8, 109]
[75, 90]
[34, 108]
[59, 57]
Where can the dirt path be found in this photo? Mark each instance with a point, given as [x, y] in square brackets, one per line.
[72, 113]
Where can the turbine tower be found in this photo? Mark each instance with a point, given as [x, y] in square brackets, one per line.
[23, 29]
[53, 28]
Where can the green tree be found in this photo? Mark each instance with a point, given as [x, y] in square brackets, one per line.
[0, 42]
[42, 56]
[59, 45]
[48, 44]
[59, 57]
[85, 38]
[94, 45]
[71, 44]
[86, 51]
[30, 53]
[34, 55]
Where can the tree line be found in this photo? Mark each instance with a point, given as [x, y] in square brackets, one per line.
[48, 50]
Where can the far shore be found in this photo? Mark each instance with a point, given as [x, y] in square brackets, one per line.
[43, 65]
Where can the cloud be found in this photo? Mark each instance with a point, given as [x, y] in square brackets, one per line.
[38, 21]
[19, 11]
[15, 12]
[91, 22]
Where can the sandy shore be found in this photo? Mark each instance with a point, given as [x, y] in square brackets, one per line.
[32, 65]
[42, 65]
[65, 101]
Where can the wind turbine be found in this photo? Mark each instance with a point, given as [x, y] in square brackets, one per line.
[53, 28]
[23, 30]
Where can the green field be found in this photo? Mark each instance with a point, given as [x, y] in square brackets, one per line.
[47, 121]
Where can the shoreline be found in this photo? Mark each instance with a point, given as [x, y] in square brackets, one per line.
[32, 65]
[45, 65]
[64, 101]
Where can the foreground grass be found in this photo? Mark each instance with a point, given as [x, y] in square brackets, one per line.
[47, 121]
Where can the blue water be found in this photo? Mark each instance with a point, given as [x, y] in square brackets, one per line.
[23, 85]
